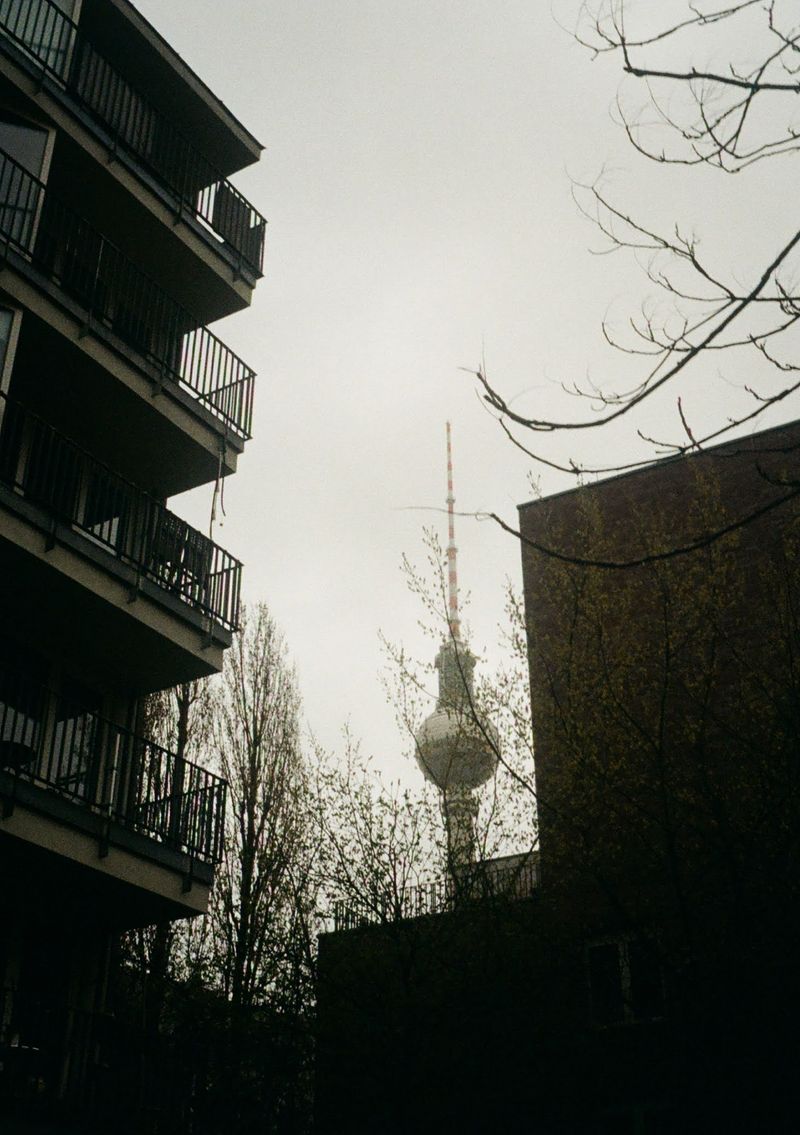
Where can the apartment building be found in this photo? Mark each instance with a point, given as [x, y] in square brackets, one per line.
[121, 239]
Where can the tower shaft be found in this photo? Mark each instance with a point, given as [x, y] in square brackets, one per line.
[452, 567]
[456, 751]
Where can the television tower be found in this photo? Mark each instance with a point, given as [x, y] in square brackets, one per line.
[456, 751]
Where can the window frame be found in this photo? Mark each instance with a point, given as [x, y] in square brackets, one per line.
[7, 365]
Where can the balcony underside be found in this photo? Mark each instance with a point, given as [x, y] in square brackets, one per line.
[129, 41]
[80, 605]
[67, 865]
[91, 386]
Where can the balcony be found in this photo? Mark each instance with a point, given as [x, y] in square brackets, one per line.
[70, 751]
[46, 36]
[117, 295]
[44, 468]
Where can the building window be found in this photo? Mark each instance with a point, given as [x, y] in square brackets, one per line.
[6, 327]
[625, 981]
[10, 322]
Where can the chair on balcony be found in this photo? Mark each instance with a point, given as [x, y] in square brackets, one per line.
[166, 549]
[16, 756]
[181, 558]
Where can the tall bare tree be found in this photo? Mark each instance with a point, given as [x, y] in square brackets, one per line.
[255, 736]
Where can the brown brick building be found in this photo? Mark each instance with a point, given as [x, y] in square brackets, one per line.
[666, 712]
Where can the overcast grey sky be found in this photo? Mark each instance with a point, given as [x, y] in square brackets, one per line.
[416, 183]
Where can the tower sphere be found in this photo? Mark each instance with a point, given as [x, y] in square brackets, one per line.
[453, 748]
[454, 751]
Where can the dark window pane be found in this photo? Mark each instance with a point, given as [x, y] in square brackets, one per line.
[11, 435]
[20, 192]
[74, 743]
[42, 27]
[52, 472]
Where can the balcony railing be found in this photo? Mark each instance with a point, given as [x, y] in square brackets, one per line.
[481, 882]
[49, 36]
[73, 487]
[70, 749]
[118, 295]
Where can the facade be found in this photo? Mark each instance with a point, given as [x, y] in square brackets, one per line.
[649, 983]
[121, 239]
[666, 714]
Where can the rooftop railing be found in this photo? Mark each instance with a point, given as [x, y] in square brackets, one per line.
[70, 749]
[46, 34]
[481, 882]
[116, 294]
[47, 469]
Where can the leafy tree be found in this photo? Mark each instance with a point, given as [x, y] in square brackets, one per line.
[378, 844]
[496, 706]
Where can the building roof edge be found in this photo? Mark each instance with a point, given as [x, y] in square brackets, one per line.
[748, 442]
[143, 25]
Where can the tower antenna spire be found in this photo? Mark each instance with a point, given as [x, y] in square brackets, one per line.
[452, 568]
